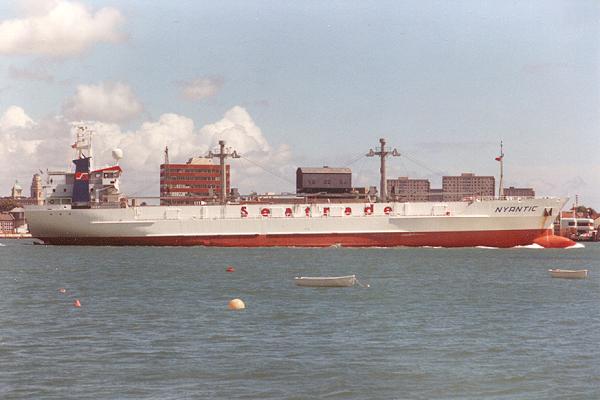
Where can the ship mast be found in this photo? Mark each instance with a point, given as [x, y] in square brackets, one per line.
[83, 141]
[501, 159]
[222, 155]
[167, 191]
[382, 153]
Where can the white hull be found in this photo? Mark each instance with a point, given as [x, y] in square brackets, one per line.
[569, 273]
[500, 223]
[325, 281]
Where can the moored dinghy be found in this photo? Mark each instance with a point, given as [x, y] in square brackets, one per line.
[568, 273]
[326, 281]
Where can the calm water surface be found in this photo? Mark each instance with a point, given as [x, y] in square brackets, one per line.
[434, 324]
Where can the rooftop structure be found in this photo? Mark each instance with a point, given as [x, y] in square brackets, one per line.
[323, 180]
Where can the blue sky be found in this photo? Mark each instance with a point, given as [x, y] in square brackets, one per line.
[313, 83]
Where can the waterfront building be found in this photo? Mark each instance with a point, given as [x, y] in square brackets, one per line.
[191, 183]
[436, 195]
[7, 223]
[457, 188]
[405, 189]
[576, 226]
[324, 180]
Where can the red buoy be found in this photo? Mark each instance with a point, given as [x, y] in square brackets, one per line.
[554, 242]
[230, 269]
[76, 303]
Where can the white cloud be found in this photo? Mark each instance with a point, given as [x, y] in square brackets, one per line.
[107, 102]
[18, 146]
[201, 88]
[15, 117]
[144, 147]
[239, 130]
[59, 28]
[26, 146]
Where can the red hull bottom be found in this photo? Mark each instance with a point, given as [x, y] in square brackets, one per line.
[435, 239]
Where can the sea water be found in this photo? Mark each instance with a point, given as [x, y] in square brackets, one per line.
[434, 324]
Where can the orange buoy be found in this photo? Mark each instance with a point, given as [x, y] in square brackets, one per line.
[77, 303]
[554, 242]
[236, 304]
[62, 290]
[230, 269]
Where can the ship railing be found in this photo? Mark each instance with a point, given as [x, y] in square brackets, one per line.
[111, 204]
[495, 198]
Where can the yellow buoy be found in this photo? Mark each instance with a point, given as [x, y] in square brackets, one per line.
[236, 304]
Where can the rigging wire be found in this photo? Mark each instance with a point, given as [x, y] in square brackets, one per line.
[144, 188]
[349, 163]
[422, 165]
[269, 171]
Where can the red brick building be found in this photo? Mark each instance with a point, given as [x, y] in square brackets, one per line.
[405, 189]
[436, 195]
[191, 183]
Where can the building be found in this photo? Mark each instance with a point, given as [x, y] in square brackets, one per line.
[436, 195]
[405, 189]
[7, 223]
[191, 183]
[16, 196]
[16, 191]
[576, 226]
[37, 194]
[20, 224]
[324, 180]
[518, 192]
[456, 188]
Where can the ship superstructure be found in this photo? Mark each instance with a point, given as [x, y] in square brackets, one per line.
[102, 183]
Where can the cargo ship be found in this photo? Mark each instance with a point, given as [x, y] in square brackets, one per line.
[492, 222]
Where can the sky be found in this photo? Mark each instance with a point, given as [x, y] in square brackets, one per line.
[310, 83]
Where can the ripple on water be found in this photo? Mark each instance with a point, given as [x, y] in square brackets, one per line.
[435, 323]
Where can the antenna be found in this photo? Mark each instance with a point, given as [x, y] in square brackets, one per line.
[83, 141]
[383, 153]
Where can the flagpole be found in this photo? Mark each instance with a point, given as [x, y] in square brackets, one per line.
[500, 188]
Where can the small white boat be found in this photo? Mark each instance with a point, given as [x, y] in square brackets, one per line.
[568, 273]
[325, 281]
